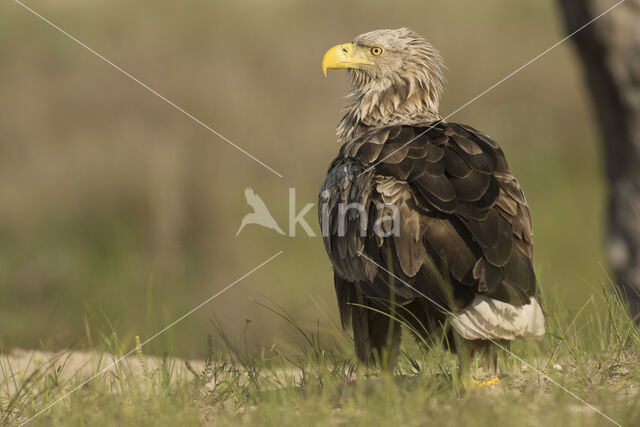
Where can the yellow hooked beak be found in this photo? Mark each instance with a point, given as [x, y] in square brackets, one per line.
[344, 56]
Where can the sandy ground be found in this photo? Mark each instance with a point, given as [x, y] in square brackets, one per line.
[76, 367]
[18, 365]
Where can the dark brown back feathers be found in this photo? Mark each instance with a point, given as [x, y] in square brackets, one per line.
[463, 218]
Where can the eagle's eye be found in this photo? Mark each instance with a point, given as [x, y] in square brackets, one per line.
[376, 51]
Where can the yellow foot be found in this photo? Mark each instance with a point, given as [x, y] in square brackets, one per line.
[475, 384]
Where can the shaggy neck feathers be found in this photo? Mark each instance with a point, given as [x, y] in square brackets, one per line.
[373, 107]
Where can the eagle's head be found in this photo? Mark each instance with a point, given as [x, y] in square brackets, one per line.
[396, 77]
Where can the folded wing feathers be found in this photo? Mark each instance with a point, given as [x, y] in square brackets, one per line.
[456, 200]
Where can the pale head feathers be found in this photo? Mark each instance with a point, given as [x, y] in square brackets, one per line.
[402, 86]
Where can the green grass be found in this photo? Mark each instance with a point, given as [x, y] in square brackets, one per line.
[314, 380]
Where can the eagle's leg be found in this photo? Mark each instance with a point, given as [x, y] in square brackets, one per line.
[465, 355]
[376, 336]
[386, 346]
[466, 351]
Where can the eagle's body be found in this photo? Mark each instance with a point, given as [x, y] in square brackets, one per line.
[422, 219]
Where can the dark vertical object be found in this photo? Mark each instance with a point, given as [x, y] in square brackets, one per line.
[610, 53]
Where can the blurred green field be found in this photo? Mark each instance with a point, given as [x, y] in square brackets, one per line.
[119, 213]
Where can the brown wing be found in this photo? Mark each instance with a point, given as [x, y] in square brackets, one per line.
[458, 204]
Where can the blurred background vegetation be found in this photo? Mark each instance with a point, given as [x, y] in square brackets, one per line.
[118, 212]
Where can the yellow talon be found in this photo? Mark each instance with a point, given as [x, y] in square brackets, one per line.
[485, 383]
[475, 384]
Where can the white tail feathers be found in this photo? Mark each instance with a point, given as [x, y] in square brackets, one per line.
[490, 318]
